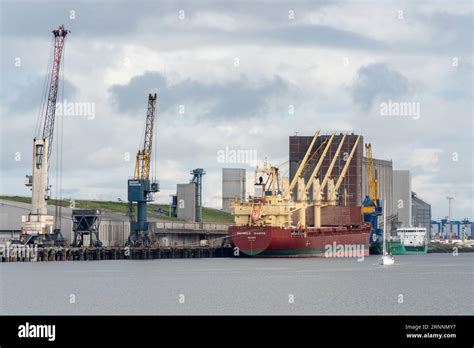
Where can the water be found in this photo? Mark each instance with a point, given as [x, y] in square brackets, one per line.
[416, 284]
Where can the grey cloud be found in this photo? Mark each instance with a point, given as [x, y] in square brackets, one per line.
[233, 99]
[320, 35]
[117, 18]
[105, 19]
[452, 33]
[378, 80]
[27, 94]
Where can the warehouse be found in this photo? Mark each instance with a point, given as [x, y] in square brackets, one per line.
[421, 213]
[114, 228]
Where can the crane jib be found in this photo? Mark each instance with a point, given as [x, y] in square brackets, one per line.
[142, 165]
[48, 128]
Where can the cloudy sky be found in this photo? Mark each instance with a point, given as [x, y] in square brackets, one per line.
[241, 75]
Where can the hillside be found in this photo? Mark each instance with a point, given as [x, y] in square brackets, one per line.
[155, 211]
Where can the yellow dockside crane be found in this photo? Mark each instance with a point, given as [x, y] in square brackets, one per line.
[371, 208]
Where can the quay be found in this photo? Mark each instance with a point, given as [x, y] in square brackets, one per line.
[43, 254]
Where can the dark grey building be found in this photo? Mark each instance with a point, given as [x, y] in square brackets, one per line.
[402, 204]
[421, 213]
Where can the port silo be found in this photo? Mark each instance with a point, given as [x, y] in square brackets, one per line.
[233, 186]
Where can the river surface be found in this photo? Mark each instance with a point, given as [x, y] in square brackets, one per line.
[416, 284]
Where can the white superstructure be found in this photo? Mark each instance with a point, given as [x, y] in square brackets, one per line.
[412, 236]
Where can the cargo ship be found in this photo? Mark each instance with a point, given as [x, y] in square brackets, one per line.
[343, 241]
[409, 240]
[273, 223]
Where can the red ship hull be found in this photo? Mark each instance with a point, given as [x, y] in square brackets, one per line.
[341, 241]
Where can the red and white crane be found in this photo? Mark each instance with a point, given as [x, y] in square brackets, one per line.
[38, 225]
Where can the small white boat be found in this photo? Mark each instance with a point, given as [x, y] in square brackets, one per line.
[386, 259]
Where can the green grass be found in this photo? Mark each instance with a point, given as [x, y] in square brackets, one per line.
[210, 215]
[216, 216]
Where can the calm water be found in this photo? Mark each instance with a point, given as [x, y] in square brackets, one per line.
[425, 284]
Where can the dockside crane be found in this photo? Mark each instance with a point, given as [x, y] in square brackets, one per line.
[37, 226]
[141, 188]
[371, 207]
[334, 188]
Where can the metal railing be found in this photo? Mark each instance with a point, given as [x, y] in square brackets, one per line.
[191, 226]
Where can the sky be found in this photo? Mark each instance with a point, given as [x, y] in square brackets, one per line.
[239, 76]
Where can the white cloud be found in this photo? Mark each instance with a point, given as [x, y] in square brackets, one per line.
[427, 159]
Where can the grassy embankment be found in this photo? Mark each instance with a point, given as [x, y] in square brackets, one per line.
[210, 215]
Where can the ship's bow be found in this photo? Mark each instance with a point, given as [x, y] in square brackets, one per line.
[251, 240]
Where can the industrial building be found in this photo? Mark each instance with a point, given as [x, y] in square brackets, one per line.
[403, 207]
[114, 228]
[186, 205]
[402, 202]
[186, 202]
[181, 234]
[113, 231]
[411, 209]
[233, 186]
[421, 213]
[351, 187]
